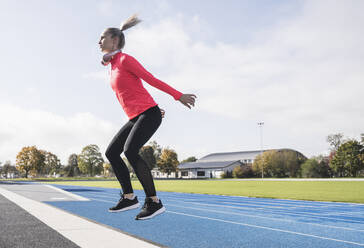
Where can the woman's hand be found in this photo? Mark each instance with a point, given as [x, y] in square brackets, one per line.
[162, 112]
[187, 99]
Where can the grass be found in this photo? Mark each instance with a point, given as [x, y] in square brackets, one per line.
[337, 191]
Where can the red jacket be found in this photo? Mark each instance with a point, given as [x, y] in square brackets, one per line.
[126, 73]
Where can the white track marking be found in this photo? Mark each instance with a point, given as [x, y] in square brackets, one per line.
[269, 228]
[80, 198]
[80, 231]
[249, 215]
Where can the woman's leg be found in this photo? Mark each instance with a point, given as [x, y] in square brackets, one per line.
[113, 152]
[145, 126]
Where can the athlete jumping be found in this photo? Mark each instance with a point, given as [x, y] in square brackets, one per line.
[144, 115]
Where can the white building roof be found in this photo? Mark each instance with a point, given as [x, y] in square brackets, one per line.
[223, 159]
[230, 156]
[205, 165]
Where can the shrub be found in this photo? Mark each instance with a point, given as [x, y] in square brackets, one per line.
[227, 174]
[243, 171]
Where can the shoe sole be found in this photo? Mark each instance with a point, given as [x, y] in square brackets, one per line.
[159, 211]
[127, 208]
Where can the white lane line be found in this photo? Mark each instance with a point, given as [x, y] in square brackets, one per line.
[290, 203]
[80, 198]
[359, 214]
[310, 208]
[289, 206]
[256, 200]
[276, 212]
[249, 215]
[323, 203]
[95, 199]
[82, 232]
[279, 201]
[269, 228]
[296, 213]
[270, 218]
[261, 227]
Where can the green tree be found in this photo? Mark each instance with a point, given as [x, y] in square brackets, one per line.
[362, 151]
[262, 164]
[157, 149]
[310, 168]
[189, 159]
[292, 161]
[347, 160]
[51, 163]
[130, 168]
[108, 171]
[243, 171]
[278, 163]
[90, 160]
[29, 160]
[168, 161]
[7, 168]
[72, 169]
[335, 140]
[227, 174]
[316, 167]
[147, 154]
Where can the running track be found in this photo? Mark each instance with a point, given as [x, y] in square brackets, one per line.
[198, 220]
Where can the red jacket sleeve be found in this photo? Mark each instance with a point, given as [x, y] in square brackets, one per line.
[136, 68]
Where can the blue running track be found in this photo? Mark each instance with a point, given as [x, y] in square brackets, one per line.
[198, 220]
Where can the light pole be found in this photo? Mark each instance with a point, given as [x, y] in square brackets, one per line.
[260, 124]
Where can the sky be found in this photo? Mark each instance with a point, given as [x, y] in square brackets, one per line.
[295, 65]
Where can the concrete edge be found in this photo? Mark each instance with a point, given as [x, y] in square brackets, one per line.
[81, 231]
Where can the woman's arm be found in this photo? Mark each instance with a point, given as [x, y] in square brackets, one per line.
[135, 67]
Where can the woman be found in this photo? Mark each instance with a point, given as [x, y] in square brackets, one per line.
[144, 119]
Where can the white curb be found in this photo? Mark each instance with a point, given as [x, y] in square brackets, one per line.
[80, 231]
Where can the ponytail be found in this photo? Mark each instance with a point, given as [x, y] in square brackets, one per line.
[130, 22]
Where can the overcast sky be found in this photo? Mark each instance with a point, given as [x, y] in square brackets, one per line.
[296, 65]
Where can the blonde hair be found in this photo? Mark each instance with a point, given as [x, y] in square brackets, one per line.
[130, 22]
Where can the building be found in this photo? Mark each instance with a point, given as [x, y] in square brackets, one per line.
[214, 164]
[158, 174]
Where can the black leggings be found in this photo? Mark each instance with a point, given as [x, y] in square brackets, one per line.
[131, 137]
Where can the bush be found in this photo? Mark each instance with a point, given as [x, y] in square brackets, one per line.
[227, 174]
[313, 167]
[348, 159]
[278, 163]
[310, 168]
[243, 171]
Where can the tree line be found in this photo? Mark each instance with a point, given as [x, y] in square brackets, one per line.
[34, 162]
[345, 159]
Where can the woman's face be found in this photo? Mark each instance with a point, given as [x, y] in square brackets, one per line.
[108, 44]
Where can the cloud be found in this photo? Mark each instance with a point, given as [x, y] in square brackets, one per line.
[303, 76]
[102, 76]
[61, 135]
[105, 7]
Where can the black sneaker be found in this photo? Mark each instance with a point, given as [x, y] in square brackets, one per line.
[125, 204]
[150, 209]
